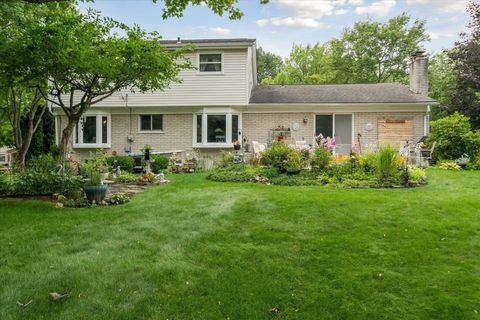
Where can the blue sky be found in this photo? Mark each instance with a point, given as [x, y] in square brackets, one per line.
[279, 24]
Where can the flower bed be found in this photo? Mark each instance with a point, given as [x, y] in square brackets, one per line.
[281, 165]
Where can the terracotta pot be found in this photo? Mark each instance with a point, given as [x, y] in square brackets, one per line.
[96, 193]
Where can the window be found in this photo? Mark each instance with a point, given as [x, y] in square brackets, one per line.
[3, 157]
[151, 122]
[92, 131]
[216, 129]
[210, 62]
[338, 126]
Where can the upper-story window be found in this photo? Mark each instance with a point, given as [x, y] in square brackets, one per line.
[151, 122]
[210, 62]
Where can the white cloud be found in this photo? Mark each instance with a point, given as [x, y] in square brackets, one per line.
[340, 12]
[290, 22]
[438, 35]
[220, 30]
[312, 9]
[444, 6]
[377, 8]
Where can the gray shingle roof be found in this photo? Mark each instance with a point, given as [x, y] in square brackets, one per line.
[231, 41]
[337, 93]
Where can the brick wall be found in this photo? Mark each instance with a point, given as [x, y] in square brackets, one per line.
[256, 125]
[369, 139]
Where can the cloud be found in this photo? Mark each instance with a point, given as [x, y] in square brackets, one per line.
[220, 30]
[443, 6]
[438, 35]
[291, 22]
[312, 9]
[378, 8]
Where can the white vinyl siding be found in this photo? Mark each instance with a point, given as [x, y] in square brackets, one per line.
[228, 88]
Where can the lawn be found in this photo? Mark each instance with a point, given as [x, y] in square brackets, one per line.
[197, 249]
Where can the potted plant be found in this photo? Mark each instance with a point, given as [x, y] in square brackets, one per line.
[236, 145]
[95, 188]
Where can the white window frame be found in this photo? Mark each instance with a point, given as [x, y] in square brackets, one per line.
[6, 158]
[150, 131]
[333, 124]
[222, 64]
[99, 135]
[228, 135]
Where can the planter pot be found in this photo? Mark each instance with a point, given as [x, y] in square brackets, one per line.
[96, 193]
[236, 147]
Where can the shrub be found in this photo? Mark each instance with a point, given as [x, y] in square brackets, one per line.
[118, 198]
[387, 162]
[454, 137]
[448, 165]
[417, 175]
[126, 177]
[159, 163]
[294, 162]
[226, 159]
[321, 159]
[368, 162]
[277, 156]
[126, 163]
[230, 176]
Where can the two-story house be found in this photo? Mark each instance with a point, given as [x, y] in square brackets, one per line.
[220, 102]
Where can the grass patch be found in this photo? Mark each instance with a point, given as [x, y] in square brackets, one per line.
[197, 249]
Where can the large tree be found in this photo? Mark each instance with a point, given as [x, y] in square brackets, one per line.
[268, 64]
[442, 83]
[89, 62]
[466, 62]
[22, 70]
[368, 52]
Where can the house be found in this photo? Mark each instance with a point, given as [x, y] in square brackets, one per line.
[220, 102]
[7, 155]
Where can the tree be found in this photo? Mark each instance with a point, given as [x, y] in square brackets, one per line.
[176, 8]
[268, 64]
[466, 65]
[88, 62]
[442, 83]
[369, 52]
[22, 72]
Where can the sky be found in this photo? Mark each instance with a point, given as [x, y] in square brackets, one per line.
[279, 24]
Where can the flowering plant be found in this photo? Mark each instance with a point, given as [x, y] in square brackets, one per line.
[326, 142]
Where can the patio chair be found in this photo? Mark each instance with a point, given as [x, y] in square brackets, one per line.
[257, 148]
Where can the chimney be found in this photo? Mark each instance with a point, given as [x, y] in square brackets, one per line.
[419, 73]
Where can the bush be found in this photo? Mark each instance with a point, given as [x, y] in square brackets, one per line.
[368, 162]
[126, 163]
[417, 175]
[225, 160]
[159, 163]
[321, 159]
[387, 162]
[294, 162]
[230, 176]
[448, 165]
[126, 177]
[277, 156]
[454, 137]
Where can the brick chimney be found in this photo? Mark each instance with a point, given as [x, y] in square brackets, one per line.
[419, 73]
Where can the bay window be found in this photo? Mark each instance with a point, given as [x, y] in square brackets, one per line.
[92, 131]
[216, 129]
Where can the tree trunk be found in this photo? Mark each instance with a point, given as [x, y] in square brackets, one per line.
[66, 135]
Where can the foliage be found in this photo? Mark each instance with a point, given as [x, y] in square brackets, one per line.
[442, 83]
[387, 162]
[367, 53]
[268, 65]
[295, 162]
[230, 175]
[160, 163]
[417, 175]
[466, 65]
[369, 162]
[126, 177]
[321, 159]
[454, 138]
[277, 156]
[225, 159]
[125, 163]
[118, 198]
[42, 176]
[95, 167]
[448, 165]
[146, 178]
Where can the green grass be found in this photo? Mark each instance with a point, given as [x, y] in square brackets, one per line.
[197, 249]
